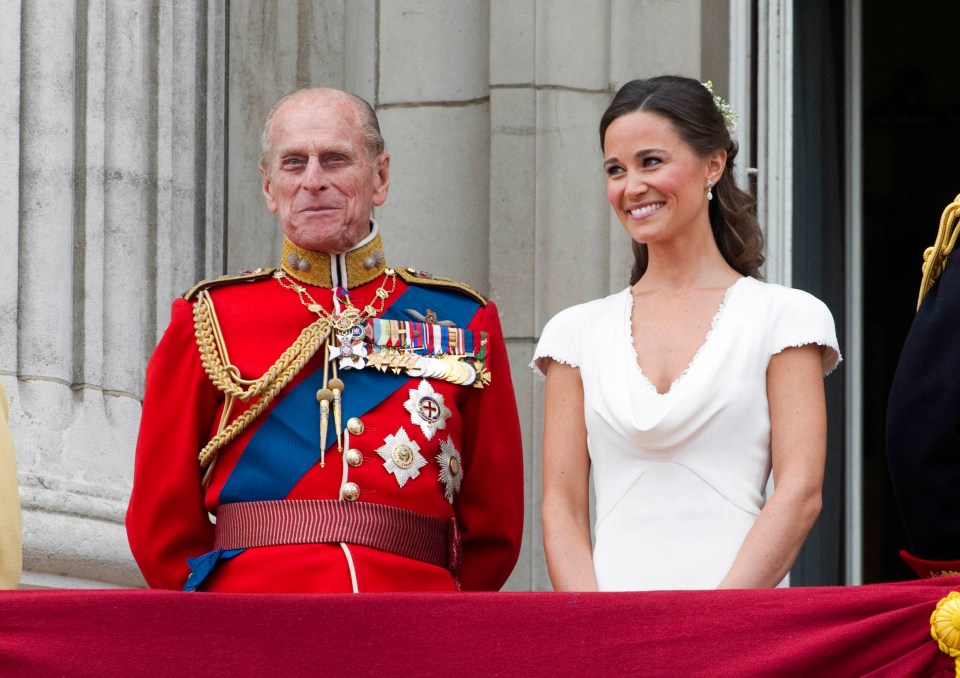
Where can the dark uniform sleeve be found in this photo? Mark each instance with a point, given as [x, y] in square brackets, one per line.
[166, 519]
[490, 505]
[923, 423]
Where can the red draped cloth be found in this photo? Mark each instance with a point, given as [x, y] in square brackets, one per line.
[876, 630]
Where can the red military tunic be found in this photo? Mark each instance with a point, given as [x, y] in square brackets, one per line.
[276, 457]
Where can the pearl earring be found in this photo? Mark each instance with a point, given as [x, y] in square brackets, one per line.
[709, 189]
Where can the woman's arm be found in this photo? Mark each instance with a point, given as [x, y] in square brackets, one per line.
[798, 441]
[566, 472]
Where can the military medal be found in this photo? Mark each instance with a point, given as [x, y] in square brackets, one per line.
[451, 468]
[423, 350]
[426, 409]
[429, 317]
[401, 456]
[351, 353]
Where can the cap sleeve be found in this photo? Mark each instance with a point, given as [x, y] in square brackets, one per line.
[559, 341]
[800, 319]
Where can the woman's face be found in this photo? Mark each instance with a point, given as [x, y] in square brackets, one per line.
[656, 184]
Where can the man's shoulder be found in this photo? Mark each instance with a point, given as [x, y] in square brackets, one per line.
[226, 280]
[413, 276]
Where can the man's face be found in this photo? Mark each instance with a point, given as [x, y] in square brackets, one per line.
[319, 177]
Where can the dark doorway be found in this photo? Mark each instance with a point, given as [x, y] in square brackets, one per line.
[819, 256]
[911, 145]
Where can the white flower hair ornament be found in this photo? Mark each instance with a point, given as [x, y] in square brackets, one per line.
[729, 117]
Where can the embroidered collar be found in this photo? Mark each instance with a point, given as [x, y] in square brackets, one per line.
[355, 267]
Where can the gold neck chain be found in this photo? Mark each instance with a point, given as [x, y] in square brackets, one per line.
[350, 317]
[347, 328]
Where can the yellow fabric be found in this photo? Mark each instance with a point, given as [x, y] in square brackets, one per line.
[11, 546]
[935, 257]
[363, 264]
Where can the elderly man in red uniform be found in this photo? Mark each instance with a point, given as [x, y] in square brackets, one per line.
[334, 424]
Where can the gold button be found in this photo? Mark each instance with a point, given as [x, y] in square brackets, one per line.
[355, 426]
[351, 491]
[454, 465]
[354, 458]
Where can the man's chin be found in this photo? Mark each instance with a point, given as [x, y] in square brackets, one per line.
[332, 240]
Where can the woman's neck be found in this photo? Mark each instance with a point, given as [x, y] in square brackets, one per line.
[687, 263]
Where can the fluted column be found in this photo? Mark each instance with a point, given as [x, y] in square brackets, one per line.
[549, 242]
[275, 48]
[116, 217]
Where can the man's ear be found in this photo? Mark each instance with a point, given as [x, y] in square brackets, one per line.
[381, 181]
[267, 185]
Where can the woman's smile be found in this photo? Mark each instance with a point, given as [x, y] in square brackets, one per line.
[645, 210]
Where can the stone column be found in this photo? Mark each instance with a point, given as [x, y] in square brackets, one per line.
[549, 228]
[114, 154]
[275, 48]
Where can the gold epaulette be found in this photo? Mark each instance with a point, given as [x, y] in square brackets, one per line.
[259, 274]
[412, 276]
[935, 256]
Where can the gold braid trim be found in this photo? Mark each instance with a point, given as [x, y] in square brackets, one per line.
[223, 280]
[364, 264]
[226, 377]
[935, 257]
[412, 276]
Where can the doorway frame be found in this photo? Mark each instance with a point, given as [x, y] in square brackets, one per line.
[773, 94]
[853, 179]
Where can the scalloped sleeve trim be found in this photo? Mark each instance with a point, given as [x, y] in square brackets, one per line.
[802, 319]
[539, 364]
[830, 356]
[560, 341]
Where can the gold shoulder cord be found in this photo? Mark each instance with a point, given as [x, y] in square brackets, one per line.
[412, 277]
[226, 377]
[935, 257]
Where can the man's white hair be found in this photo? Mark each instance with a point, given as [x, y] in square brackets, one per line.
[367, 119]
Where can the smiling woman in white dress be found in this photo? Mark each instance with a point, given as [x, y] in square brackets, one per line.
[687, 388]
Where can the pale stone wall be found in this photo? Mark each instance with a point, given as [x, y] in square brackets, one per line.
[111, 203]
[136, 175]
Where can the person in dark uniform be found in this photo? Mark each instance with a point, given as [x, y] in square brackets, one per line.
[923, 414]
[351, 426]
